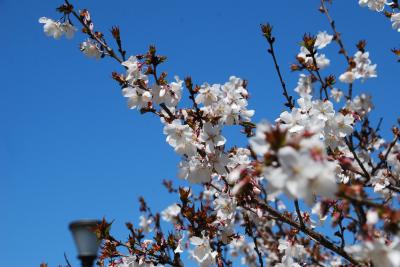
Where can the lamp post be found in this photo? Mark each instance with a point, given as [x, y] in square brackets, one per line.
[85, 240]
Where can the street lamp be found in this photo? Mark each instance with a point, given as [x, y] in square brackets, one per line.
[85, 240]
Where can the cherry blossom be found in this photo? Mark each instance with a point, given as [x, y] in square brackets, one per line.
[51, 27]
[320, 164]
[321, 60]
[304, 85]
[133, 70]
[376, 5]
[195, 169]
[90, 49]
[211, 137]
[169, 94]
[300, 176]
[180, 137]
[225, 207]
[68, 29]
[145, 223]
[380, 253]
[347, 77]
[137, 98]
[57, 29]
[323, 39]
[202, 252]
[395, 19]
[361, 104]
[171, 212]
[336, 94]
[258, 142]
[363, 68]
[287, 261]
[207, 94]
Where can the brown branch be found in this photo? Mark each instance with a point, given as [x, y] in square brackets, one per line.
[337, 38]
[339, 41]
[92, 35]
[267, 30]
[311, 233]
[384, 159]
[342, 229]
[296, 204]
[249, 231]
[361, 201]
[349, 143]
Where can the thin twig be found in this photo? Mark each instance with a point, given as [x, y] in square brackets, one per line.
[109, 50]
[337, 38]
[249, 230]
[339, 41]
[314, 235]
[66, 260]
[384, 159]
[296, 204]
[271, 51]
[349, 143]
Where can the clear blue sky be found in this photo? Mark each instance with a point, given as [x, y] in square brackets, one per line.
[69, 147]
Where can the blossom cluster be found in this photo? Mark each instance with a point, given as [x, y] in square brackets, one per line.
[379, 6]
[319, 164]
[57, 29]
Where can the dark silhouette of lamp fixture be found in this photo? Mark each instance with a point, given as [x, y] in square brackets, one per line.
[85, 240]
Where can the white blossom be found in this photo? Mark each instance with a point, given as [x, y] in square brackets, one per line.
[395, 19]
[133, 70]
[336, 94]
[347, 77]
[180, 137]
[294, 121]
[211, 136]
[132, 261]
[393, 160]
[180, 247]
[195, 170]
[240, 156]
[68, 29]
[300, 176]
[321, 60]
[207, 94]
[317, 209]
[202, 253]
[304, 85]
[225, 206]
[323, 39]
[137, 98]
[218, 162]
[372, 217]
[170, 213]
[361, 104]
[227, 102]
[169, 94]
[145, 223]
[90, 49]
[380, 182]
[323, 110]
[380, 253]
[340, 125]
[376, 5]
[57, 29]
[258, 142]
[51, 28]
[291, 248]
[287, 261]
[364, 69]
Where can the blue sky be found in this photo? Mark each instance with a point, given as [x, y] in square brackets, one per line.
[70, 148]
